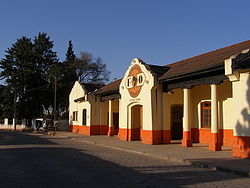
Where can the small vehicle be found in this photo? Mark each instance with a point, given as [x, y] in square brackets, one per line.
[43, 125]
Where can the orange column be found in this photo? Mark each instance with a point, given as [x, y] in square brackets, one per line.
[214, 144]
[111, 130]
[187, 140]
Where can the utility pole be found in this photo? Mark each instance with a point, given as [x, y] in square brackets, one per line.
[55, 100]
[14, 116]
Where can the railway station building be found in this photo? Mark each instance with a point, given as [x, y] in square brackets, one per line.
[202, 99]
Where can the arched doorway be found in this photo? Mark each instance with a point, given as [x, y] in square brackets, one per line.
[136, 122]
[176, 122]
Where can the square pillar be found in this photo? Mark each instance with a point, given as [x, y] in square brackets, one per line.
[111, 131]
[214, 144]
[187, 139]
[6, 123]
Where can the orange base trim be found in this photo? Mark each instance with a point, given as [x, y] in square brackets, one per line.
[95, 130]
[111, 131]
[146, 136]
[187, 140]
[241, 147]
[205, 136]
[104, 129]
[226, 137]
[166, 136]
[80, 129]
[87, 130]
[129, 134]
[195, 135]
[215, 144]
[151, 137]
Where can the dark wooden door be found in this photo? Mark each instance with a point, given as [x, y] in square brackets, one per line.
[176, 122]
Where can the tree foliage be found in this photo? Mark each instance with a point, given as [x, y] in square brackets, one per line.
[25, 69]
[91, 70]
[30, 69]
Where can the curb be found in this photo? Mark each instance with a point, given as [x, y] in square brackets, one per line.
[171, 158]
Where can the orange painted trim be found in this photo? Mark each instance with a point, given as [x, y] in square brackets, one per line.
[241, 147]
[195, 135]
[155, 136]
[187, 139]
[146, 136]
[204, 136]
[111, 131]
[151, 137]
[166, 136]
[95, 130]
[85, 130]
[123, 135]
[129, 134]
[215, 144]
[103, 129]
[75, 128]
[226, 137]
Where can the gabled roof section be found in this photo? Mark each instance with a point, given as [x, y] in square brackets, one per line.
[90, 87]
[242, 61]
[206, 61]
[156, 70]
[110, 88]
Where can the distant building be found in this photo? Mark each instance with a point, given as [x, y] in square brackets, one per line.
[203, 99]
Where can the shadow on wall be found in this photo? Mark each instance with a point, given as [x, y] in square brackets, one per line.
[241, 147]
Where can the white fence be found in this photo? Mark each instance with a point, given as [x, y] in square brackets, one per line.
[8, 124]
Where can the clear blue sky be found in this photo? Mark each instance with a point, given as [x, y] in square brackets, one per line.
[158, 31]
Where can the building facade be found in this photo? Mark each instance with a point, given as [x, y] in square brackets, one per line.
[203, 99]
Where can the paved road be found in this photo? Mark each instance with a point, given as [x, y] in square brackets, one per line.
[33, 160]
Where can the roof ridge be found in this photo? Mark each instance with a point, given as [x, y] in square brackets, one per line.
[237, 44]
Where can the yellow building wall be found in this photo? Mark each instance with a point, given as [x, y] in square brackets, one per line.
[202, 93]
[174, 98]
[104, 113]
[199, 94]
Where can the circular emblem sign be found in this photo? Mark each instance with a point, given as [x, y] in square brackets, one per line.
[135, 81]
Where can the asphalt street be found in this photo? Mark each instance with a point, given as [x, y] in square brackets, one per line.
[36, 160]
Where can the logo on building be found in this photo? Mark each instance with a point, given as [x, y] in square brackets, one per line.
[135, 81]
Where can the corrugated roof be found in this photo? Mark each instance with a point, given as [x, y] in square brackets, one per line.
[242, 61]
[187, 66]
[91, 87]
[110, 88]
[204, 61]
[157, 70]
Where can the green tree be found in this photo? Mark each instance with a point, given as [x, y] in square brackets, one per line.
[29, 70]
[16, 71]
[45, 59]
[25, 71]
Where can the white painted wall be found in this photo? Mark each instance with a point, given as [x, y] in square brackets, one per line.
[145, 99]
[240, 115]
[77, 92]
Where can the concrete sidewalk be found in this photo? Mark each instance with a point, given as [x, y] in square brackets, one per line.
[198, 155]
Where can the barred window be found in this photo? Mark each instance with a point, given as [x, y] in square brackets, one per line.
[206, 114]
[75, 114]
[84, 116]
